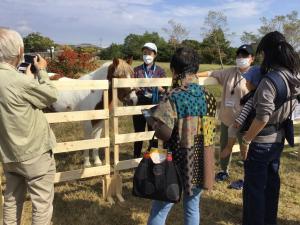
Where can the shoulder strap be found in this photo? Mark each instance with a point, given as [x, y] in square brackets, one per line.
[281, 88]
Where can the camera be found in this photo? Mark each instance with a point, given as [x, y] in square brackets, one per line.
[28, 61]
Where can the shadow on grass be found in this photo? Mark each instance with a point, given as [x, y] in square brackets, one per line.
[80, 204]
[217, 212]
[94, 211]
[288, 222]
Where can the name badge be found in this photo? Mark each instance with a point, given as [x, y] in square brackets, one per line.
[229, 103]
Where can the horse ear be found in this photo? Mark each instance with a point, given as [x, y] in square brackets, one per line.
[116, 62]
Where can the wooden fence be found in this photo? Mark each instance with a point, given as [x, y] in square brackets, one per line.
[72, 146]
[111, 185]
[61, 117]
[63, 147]
[119, 111]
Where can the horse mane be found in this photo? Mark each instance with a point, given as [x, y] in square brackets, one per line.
[119, 69]
[124, 66]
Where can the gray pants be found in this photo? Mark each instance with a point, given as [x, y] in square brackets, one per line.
[36, 175]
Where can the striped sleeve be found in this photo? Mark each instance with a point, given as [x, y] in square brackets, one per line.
[245, 111]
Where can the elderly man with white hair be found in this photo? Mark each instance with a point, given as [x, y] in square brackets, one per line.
[26, 140]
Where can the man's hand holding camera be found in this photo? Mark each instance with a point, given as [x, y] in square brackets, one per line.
[39, 63]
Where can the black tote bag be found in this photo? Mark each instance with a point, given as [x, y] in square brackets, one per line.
[157, 181]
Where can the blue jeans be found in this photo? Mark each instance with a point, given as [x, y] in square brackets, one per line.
[160, 210]
[261, 184]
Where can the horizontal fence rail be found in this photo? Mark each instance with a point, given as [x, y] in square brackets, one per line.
[71, 146]
[111, 186]
[71, 85]
[63, 117]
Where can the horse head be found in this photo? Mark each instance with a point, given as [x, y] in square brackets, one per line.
[122, 69]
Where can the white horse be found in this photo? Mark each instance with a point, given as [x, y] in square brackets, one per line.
[91, 99]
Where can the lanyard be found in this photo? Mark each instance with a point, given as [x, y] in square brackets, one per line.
[236, 83]
[148, 75]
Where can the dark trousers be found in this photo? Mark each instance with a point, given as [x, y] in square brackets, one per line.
[139, 124]
[262, 184]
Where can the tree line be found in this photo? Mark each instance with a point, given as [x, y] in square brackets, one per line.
[215, 47]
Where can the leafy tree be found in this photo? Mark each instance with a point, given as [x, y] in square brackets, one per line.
[249, 38]
[288, 25]
[113, 51]
[35, 42]
[93, 50]
[215, 44]
[196, 45]
[192, 44]
[230, 56]
[177, 33]
[133, 44]
[71, 63]
[214, 30]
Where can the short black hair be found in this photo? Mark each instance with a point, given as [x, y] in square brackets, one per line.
[185, 61]
[277, 53]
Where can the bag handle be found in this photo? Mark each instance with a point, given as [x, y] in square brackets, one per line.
[150, 145]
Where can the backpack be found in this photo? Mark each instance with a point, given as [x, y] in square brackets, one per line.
[281, 98]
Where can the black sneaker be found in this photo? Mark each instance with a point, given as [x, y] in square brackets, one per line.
[221, 176]
[237, 185]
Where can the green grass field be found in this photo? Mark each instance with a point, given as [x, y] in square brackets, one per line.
[80, 202]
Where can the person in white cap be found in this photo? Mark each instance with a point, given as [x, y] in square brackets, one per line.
[147, 96]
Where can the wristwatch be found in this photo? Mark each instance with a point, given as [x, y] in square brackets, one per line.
[244, 142]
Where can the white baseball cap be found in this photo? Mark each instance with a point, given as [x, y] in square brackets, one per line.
[150, 46]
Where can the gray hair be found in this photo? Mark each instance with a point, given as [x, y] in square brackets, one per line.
[11, 43]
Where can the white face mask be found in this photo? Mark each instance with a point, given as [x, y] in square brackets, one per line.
[242, 63]
[148, 59]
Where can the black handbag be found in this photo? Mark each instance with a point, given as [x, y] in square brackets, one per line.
[288, 126]
[157, 181]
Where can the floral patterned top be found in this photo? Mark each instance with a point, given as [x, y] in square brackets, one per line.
[190, 112]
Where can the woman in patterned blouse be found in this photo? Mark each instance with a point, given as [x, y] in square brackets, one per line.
[187, 117]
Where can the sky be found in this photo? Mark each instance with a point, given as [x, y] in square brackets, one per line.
[103, 22]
